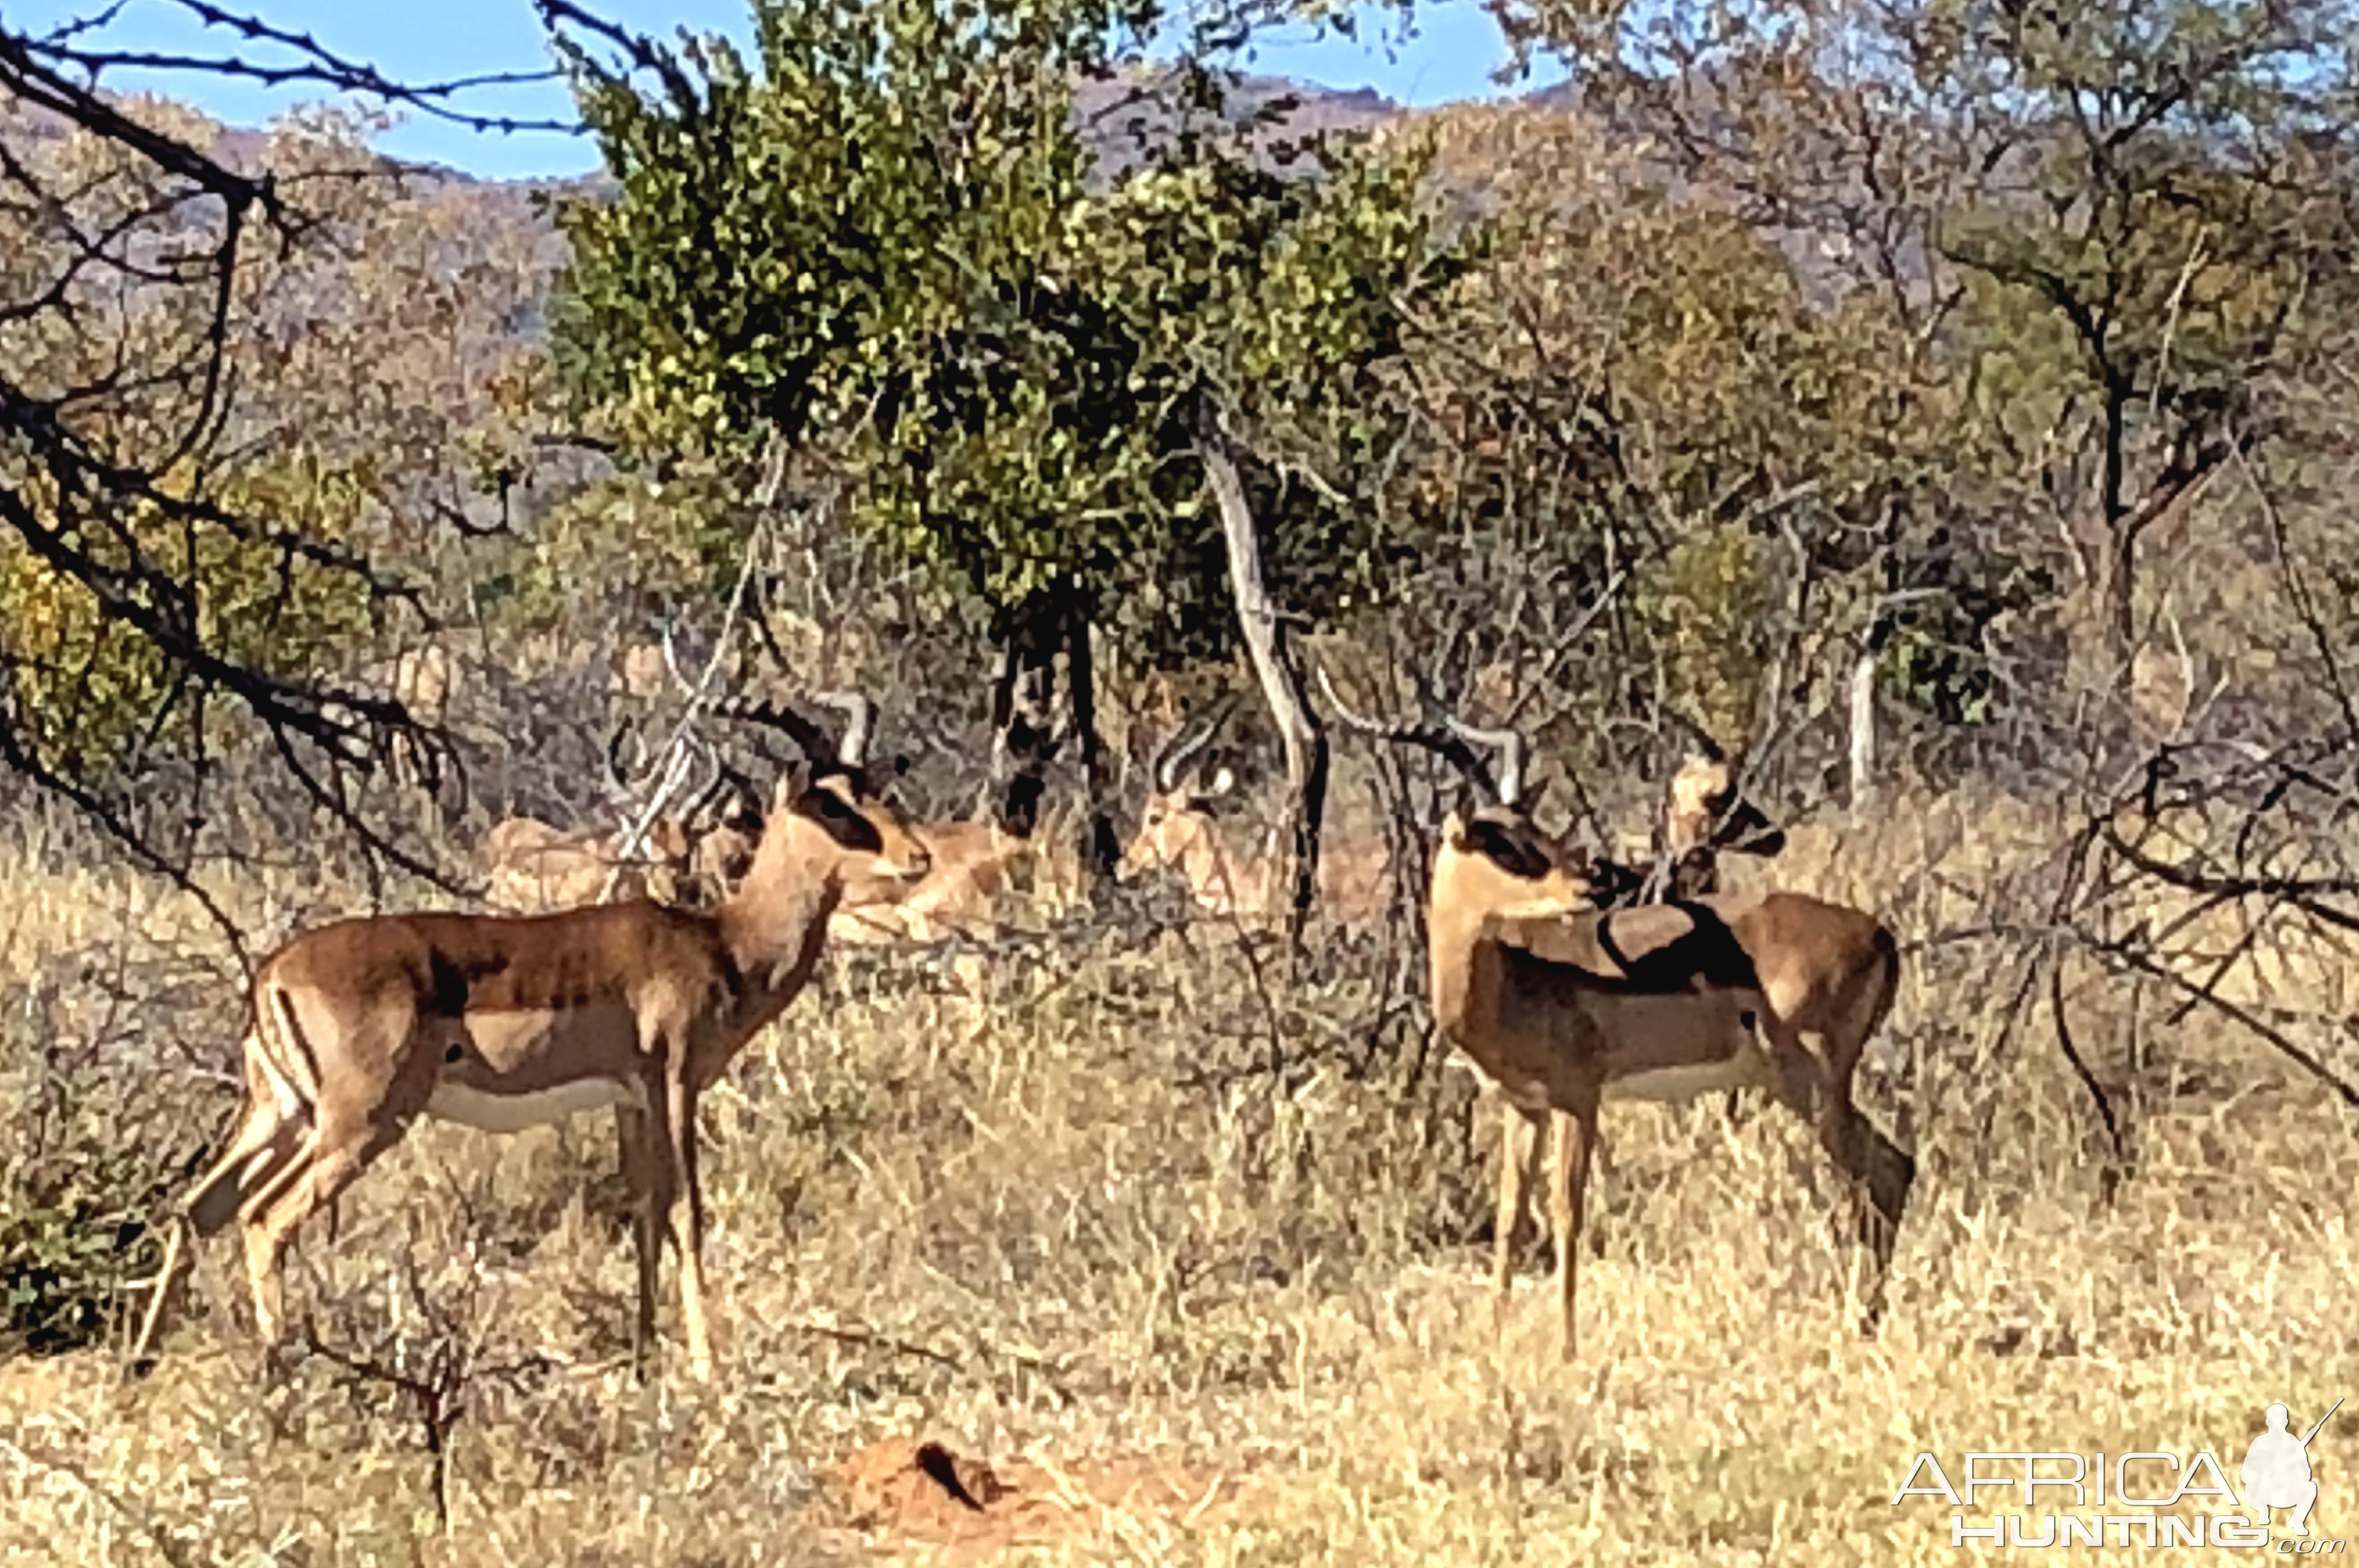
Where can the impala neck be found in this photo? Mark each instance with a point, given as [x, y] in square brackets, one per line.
[775, 924]
[1467, 887]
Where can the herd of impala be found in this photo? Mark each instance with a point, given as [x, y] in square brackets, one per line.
[628, 969]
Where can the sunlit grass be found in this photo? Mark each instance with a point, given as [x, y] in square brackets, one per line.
[1244, 1321]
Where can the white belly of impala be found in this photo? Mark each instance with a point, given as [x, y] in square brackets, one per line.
[1672, 1085]
[514, 1113]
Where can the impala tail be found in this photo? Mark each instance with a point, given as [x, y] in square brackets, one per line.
[280, 1095]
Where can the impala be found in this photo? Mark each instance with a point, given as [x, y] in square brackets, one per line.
[1703, 818]
[974, 861]
[1564, 1005]
[502, 1022]
[1180, 829]
[533, 867]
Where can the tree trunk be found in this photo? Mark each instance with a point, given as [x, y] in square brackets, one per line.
[1101, 850]
[1281, 683]
[1880, 626]
[1031, 637]
[1863, 729]
[2120, 600]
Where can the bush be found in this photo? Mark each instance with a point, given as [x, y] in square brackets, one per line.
[99, 1144]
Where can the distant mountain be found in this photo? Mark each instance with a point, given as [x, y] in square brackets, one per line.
[1121, 119]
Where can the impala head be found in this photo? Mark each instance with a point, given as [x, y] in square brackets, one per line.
[1181, 801]
[1706, 811]
[1492, 853]
[725, 830]
[830, 817]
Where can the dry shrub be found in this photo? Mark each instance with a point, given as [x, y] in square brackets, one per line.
[1138, 1206]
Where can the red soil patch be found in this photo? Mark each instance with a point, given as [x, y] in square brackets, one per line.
[923, 1492]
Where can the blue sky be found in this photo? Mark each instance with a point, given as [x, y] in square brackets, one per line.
[1454, 50]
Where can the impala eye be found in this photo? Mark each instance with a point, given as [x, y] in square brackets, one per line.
[1510, 850]
[844, 821]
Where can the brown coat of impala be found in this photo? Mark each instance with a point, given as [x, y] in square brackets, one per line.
[1565, 1005]
[501, 1022]
[533, 868]
[977, 861]
[1179, 828]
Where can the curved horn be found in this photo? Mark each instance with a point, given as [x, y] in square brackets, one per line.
[617, 769]
[744, 799]
[860, 723]
[679, 767]
[806, 735]
[1510, 746]
[1182, 751]
[671, 658]
[716, 778]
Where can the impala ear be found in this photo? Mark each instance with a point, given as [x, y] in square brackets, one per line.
[793, 785]
[878, 777]
[1222, 782]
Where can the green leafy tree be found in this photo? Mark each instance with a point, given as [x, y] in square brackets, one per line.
[1678, 398]
[884, 234]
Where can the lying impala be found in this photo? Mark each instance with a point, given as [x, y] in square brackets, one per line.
[1180, 829]
[974, 861]
[361, 1026]
[1565, 1004]
[533, 867]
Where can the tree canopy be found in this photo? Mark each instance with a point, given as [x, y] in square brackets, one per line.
[884, 233]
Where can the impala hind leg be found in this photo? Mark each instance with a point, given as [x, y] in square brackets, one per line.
[328, 1162]
[267, 1138]
[648, 1177]
[1882, 1172]
[1872, 1167]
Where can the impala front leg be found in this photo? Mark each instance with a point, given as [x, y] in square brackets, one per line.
[688, 1219]
[1519, 1158]
[1576, 1135]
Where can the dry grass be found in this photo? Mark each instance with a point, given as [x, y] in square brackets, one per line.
[1241, 1321]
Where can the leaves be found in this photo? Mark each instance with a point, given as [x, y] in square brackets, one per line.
[885, 236]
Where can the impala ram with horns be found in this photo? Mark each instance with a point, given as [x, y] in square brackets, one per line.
[361, 1027]
[1180, 829]
[1565, 1004]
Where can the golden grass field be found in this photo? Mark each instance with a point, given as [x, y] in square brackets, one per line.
[1234, 1323]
